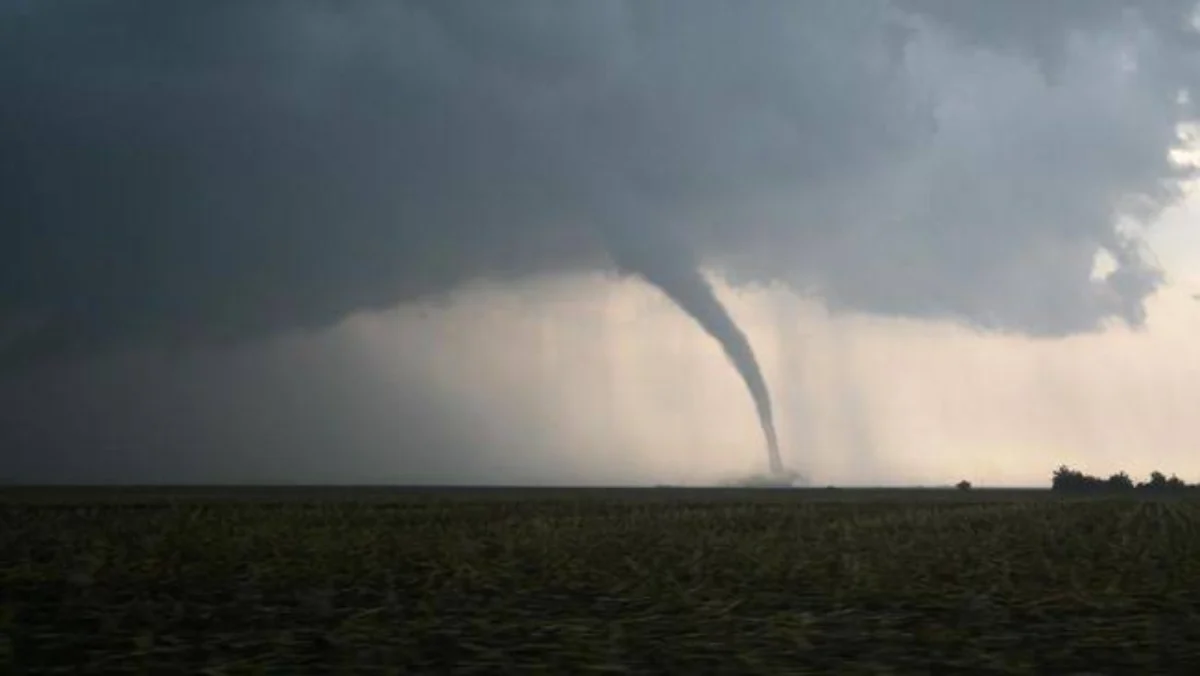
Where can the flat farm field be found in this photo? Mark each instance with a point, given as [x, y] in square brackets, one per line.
[563, 581]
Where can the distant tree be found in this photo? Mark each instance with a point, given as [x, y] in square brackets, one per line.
[1156, 484]
[1120, 482]
[1063, 478]
[963, 485]
[1067, 480]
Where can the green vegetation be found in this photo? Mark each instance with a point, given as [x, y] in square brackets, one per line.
[1067, 480]
[652, 581]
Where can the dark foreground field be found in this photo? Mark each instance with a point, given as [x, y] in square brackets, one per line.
[291, 581]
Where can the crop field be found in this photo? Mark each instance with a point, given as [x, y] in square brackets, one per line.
[652, 581]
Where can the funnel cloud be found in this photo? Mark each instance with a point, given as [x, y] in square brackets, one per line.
[671, 270]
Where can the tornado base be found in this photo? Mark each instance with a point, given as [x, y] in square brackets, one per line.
[782, 479]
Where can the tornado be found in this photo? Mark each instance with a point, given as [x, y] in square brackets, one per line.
[673, 271]
[695, 296]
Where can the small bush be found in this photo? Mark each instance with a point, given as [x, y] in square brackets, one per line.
[963, 485]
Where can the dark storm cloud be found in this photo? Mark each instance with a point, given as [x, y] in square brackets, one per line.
[296, 409]
[196, 172]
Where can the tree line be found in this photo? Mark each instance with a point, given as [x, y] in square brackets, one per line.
[1067, 480]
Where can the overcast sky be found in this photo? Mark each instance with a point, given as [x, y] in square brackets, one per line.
[458, 241]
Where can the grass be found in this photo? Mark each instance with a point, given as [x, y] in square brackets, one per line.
[560, 581]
